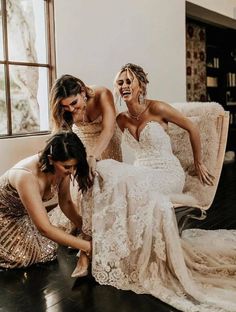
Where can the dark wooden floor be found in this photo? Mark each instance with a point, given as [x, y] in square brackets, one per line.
[49, 287]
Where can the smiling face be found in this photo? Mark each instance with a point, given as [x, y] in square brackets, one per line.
[128, 86]
[65, 168]
[76, 105]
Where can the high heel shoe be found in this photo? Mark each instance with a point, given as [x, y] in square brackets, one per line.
[80, 270]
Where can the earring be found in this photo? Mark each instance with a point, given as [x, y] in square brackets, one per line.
[141, 99]
[120, 100]
[85, 98]
[83, 121]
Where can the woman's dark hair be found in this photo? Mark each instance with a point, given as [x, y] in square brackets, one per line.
[63, 146]
[63, 87]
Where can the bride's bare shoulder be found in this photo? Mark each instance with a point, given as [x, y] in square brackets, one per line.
[158, 107]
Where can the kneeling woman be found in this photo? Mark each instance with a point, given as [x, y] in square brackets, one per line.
[26, 234]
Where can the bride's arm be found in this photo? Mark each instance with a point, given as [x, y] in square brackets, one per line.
[170, 114]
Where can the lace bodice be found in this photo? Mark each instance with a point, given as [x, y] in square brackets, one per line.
[136, 244]
[153, 147]
[21, 244]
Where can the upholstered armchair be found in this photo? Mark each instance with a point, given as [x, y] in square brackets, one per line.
[213, 123]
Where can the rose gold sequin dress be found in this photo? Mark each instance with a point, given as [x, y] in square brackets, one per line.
[21, 244]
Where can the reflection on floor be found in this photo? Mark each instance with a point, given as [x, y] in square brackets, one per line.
[50, 288]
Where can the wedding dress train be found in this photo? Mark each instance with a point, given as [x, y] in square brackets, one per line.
[136, 245]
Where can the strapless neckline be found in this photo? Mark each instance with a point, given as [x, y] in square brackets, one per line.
[87, 123]
[143, 129]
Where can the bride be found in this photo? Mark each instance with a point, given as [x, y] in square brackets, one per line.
[129, 214]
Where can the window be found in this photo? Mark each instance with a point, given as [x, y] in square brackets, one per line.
[27, 65]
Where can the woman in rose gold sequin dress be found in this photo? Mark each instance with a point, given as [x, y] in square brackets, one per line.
[26, 234]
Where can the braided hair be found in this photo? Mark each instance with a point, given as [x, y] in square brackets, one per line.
[135, 71]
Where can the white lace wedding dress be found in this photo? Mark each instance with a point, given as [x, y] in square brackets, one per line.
[136, 245]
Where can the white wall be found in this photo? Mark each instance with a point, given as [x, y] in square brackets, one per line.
[224, 7]
[14, 149]
[103, 35]
[100, 36]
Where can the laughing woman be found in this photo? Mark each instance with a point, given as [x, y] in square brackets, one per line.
[129, 213]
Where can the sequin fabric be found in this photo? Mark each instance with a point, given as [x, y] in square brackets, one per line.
[89, 132]
[21, 244]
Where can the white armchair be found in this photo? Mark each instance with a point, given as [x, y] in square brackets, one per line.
[213, 123]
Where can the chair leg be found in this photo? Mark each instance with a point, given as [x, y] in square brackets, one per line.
[183, 214]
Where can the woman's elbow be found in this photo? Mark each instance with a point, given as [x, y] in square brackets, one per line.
[45, 230]
[193, 129]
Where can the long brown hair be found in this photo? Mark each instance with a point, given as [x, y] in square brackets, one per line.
[63, 87]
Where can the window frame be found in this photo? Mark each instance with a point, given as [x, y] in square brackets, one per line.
[51, 63]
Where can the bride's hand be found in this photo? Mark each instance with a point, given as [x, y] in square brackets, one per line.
[203, 174]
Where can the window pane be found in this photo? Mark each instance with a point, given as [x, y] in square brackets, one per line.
[42, 96]
[1, 42]
[29, 99]
[26, 27]
[3, 110]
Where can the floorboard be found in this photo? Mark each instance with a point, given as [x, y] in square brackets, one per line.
[49, 287]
